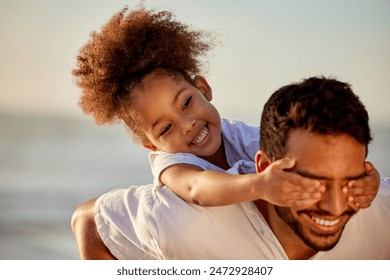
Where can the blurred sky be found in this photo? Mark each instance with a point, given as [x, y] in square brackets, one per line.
[264, 45]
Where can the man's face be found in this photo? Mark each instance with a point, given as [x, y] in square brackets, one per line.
[333, 160]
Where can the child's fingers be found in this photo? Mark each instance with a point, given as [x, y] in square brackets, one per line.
[361, 197]
[368, 184]
[364, 201]
[303, 195]
[295, 190]
[294, 196]
[285, 163]
[371, 171]
[362, 192]
[370, 168]
[301, 200]
[357, 183]
[361, 201]
[304, 184]
[354, 205]
[355, 188]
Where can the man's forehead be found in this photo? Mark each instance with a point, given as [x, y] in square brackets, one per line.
[327, 157]
[306, 139]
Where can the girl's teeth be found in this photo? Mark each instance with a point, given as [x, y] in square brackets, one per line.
[325, 223]
[201, 136]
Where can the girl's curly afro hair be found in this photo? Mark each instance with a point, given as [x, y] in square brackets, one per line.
[129, 46]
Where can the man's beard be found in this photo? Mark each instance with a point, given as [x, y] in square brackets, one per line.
[285, 214]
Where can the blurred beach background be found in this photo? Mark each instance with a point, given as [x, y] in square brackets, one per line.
[53, 158]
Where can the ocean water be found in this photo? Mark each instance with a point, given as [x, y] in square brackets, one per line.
[49, 166]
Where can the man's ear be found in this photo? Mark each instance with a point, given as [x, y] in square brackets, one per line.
[202, 84]
[149, 145]
[262, 161]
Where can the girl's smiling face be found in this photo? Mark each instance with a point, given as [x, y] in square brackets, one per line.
[177, 116]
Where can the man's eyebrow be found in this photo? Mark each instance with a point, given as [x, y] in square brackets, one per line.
[314, 176]
[174, 100]
[311, 176]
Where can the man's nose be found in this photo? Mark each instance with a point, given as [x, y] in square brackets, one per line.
[334, 200]
[186, 124]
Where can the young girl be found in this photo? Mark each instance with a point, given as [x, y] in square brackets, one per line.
[143, 68]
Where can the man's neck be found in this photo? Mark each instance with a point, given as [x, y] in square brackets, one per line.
[293, 246]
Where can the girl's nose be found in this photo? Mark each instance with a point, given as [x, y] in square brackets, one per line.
[186, 125]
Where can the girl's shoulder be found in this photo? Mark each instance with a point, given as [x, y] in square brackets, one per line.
[241, 141]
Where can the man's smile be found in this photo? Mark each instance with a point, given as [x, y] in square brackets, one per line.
[325, 225]
[323, 222]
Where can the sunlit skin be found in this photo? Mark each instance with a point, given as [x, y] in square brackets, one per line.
[332, 159]
[183, 120]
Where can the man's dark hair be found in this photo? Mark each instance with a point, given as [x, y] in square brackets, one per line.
[318, 104]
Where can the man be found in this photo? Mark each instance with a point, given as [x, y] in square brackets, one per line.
[323, 125]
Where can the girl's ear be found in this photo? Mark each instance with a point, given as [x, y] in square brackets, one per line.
[149, 145]
[262, 161]
[202, 84]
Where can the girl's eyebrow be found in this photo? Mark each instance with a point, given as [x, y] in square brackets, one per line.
[177, 95]
[174, 100]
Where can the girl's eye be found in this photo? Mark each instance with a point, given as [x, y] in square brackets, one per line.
[165, 130]
[187, 103]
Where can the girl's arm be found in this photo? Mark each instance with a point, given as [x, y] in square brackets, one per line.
[214, 188]
[208, 187]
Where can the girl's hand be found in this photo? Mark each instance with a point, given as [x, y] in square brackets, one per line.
[288, 189]
[363, 191]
